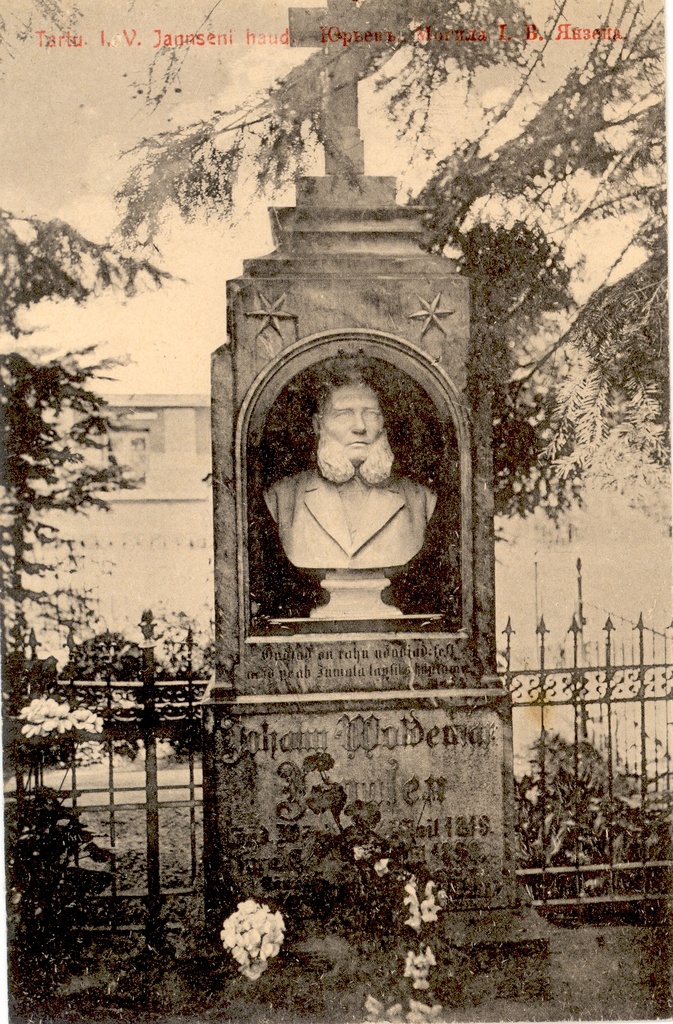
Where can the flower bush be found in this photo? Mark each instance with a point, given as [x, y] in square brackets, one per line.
[418, 1013]
[253, 934]
[352, 882]
[425, 911]
[45, 717]
[360, 884]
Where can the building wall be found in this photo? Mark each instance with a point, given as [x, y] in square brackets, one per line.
[153, 547]
[626, 569]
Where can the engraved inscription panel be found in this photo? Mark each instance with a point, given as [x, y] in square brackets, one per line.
[435, 776]
[395, 663]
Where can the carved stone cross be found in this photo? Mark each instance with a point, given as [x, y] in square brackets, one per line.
[321, 27]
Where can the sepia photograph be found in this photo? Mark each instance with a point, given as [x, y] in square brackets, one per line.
[336, 512]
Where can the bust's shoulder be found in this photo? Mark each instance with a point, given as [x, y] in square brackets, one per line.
[291, 485]
[412, 489]
[417, 495]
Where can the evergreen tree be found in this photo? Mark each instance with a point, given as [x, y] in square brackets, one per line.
[53, 426]
[579, 366]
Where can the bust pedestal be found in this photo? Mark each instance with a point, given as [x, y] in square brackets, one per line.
[355, 594]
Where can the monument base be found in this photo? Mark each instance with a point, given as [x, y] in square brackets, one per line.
[355, 595]
[504, 953]
[487, 956]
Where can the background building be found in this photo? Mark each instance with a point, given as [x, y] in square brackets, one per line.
[153, 547]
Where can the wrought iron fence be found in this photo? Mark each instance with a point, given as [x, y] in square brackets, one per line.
[142, 809]
[594, 798]
[593, 747]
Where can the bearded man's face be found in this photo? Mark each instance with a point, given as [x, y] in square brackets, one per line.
[352, 436]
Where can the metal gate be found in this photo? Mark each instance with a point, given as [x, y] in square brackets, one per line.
[137, 790]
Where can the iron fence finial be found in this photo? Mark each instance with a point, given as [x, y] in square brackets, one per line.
[147, 625]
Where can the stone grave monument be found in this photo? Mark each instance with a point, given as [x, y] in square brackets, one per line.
[354, 555]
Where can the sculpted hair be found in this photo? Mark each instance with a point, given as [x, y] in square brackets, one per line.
[414, 433]
[345, 370]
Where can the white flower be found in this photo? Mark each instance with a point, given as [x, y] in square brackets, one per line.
[252, 934]
[374, 1008]
[429, 908]
[359, 852]
[411, 900]
[421, 1012]
[44, 716]
[88, 721]
[253, 972]
[268, 949]
[418, 965]
[381, 866]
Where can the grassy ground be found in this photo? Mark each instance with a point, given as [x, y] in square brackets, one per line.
[596, 973]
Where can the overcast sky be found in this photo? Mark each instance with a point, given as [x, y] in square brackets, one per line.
[69, 114]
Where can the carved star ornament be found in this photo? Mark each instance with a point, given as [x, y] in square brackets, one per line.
[271, 313]
[431, 314]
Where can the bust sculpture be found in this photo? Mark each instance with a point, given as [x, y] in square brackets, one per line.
[350, 516]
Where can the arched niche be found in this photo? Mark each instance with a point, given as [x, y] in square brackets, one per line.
[429, 433]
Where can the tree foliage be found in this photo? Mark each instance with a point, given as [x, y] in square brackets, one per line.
[57, 459]
[616, 408]
[19, 23]
[53, 427]
[575, 334]
[51, 259]
[203, 168]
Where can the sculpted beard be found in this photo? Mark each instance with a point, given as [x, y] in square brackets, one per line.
[335, 464]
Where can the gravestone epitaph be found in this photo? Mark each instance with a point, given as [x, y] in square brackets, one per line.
[406, 701]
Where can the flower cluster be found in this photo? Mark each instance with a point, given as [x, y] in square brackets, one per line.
[426, 910]
[418, 966]
[421, 1012]
[365, 853]
[418, 1013]
[253, 934]
[89, 753]
[44, 716]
